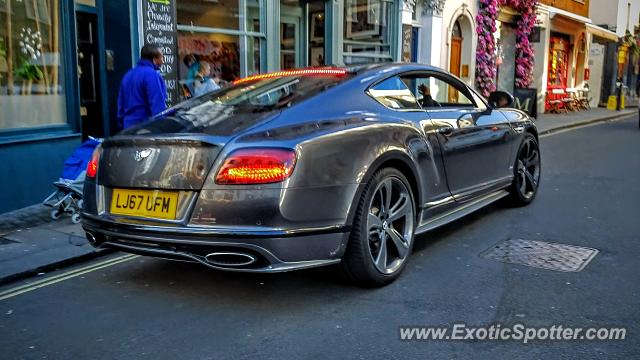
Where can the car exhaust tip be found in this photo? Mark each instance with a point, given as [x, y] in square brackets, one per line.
[230, 259]
[91, 238]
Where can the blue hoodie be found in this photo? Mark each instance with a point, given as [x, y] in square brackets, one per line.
[142, 94]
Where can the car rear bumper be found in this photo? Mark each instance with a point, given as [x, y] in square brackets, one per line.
[272, 250]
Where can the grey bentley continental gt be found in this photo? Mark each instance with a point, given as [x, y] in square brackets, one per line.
[310, 167]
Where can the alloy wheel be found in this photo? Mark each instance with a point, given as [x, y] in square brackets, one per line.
[528, 172]
[390, 225]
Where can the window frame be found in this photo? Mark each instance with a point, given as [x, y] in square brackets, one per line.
[394, 26]
[244, 34]
[70, 85]
[456, 83]
[377, 82]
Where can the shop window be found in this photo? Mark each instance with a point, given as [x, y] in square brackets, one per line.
[317, 20]
[220, 51]
[288, 45]
[226, 36]
[558, 62]
[213, 14]
[31, 72]
[367, 30]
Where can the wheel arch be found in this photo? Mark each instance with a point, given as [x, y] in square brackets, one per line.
[533, 131]
[395, 159]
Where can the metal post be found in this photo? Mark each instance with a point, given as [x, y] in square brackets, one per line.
[619, 93]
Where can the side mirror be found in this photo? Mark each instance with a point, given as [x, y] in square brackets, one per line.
[501, 99]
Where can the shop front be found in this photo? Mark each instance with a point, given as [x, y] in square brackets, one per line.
[38, 120]
[559, 57]
[601, 65]
[506, 40]
[237, 38]
[567, 53]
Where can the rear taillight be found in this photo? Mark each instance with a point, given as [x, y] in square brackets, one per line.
[257, 166]
[92, 166]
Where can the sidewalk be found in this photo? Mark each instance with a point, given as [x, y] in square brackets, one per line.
[31, 243]
[551, 122]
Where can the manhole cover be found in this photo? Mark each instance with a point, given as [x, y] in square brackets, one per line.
[541, 254]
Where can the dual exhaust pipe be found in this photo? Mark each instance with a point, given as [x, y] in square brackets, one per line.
[219, 258]
[91, 238]
[230, 259]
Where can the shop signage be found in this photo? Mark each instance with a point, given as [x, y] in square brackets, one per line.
[526, 100]
[542, 19]
[159, 27]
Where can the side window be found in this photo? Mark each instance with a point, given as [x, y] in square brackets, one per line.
[394, 93]
[434, 92]
[479, 101]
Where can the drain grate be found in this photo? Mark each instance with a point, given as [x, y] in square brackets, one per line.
[541, 254]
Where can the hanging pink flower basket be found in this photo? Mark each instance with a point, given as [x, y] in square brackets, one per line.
[485, 53]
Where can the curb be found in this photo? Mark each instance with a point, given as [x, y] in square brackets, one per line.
[587, 122]
[55, 266]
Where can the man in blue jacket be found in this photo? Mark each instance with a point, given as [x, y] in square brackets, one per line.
[143, 92]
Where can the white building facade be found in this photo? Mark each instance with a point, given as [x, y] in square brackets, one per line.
[446, 31]
[621, 17]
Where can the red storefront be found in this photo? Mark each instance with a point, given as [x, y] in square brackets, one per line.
[559, 56]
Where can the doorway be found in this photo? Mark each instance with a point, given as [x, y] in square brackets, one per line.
[89, 76]
[456, 57]
[302, 33]
[316, 19]
[290, 42]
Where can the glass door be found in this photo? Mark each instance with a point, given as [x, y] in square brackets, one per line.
[316, 25]
[290, 42]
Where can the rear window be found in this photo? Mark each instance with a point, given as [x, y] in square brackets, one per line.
[243, 103]
[277, 90]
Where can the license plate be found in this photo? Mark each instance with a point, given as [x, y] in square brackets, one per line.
[145, 203]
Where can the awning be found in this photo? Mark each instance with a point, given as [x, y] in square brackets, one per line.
[602, 33]
[553, 12]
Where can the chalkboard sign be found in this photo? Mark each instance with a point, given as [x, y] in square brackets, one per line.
[159, 28]
[526, 100]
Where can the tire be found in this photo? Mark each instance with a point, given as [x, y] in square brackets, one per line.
[527, 171]
[383, 231]
[55, 214]
[75, 218]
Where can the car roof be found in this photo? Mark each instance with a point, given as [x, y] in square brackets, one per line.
[376, 71]
[382, 66]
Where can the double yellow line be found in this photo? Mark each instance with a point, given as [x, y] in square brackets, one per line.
[64, 276]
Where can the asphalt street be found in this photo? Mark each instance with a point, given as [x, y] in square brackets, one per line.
[140, 307]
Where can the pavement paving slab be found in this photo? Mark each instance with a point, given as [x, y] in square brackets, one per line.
[32, 250]
[551, 122]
